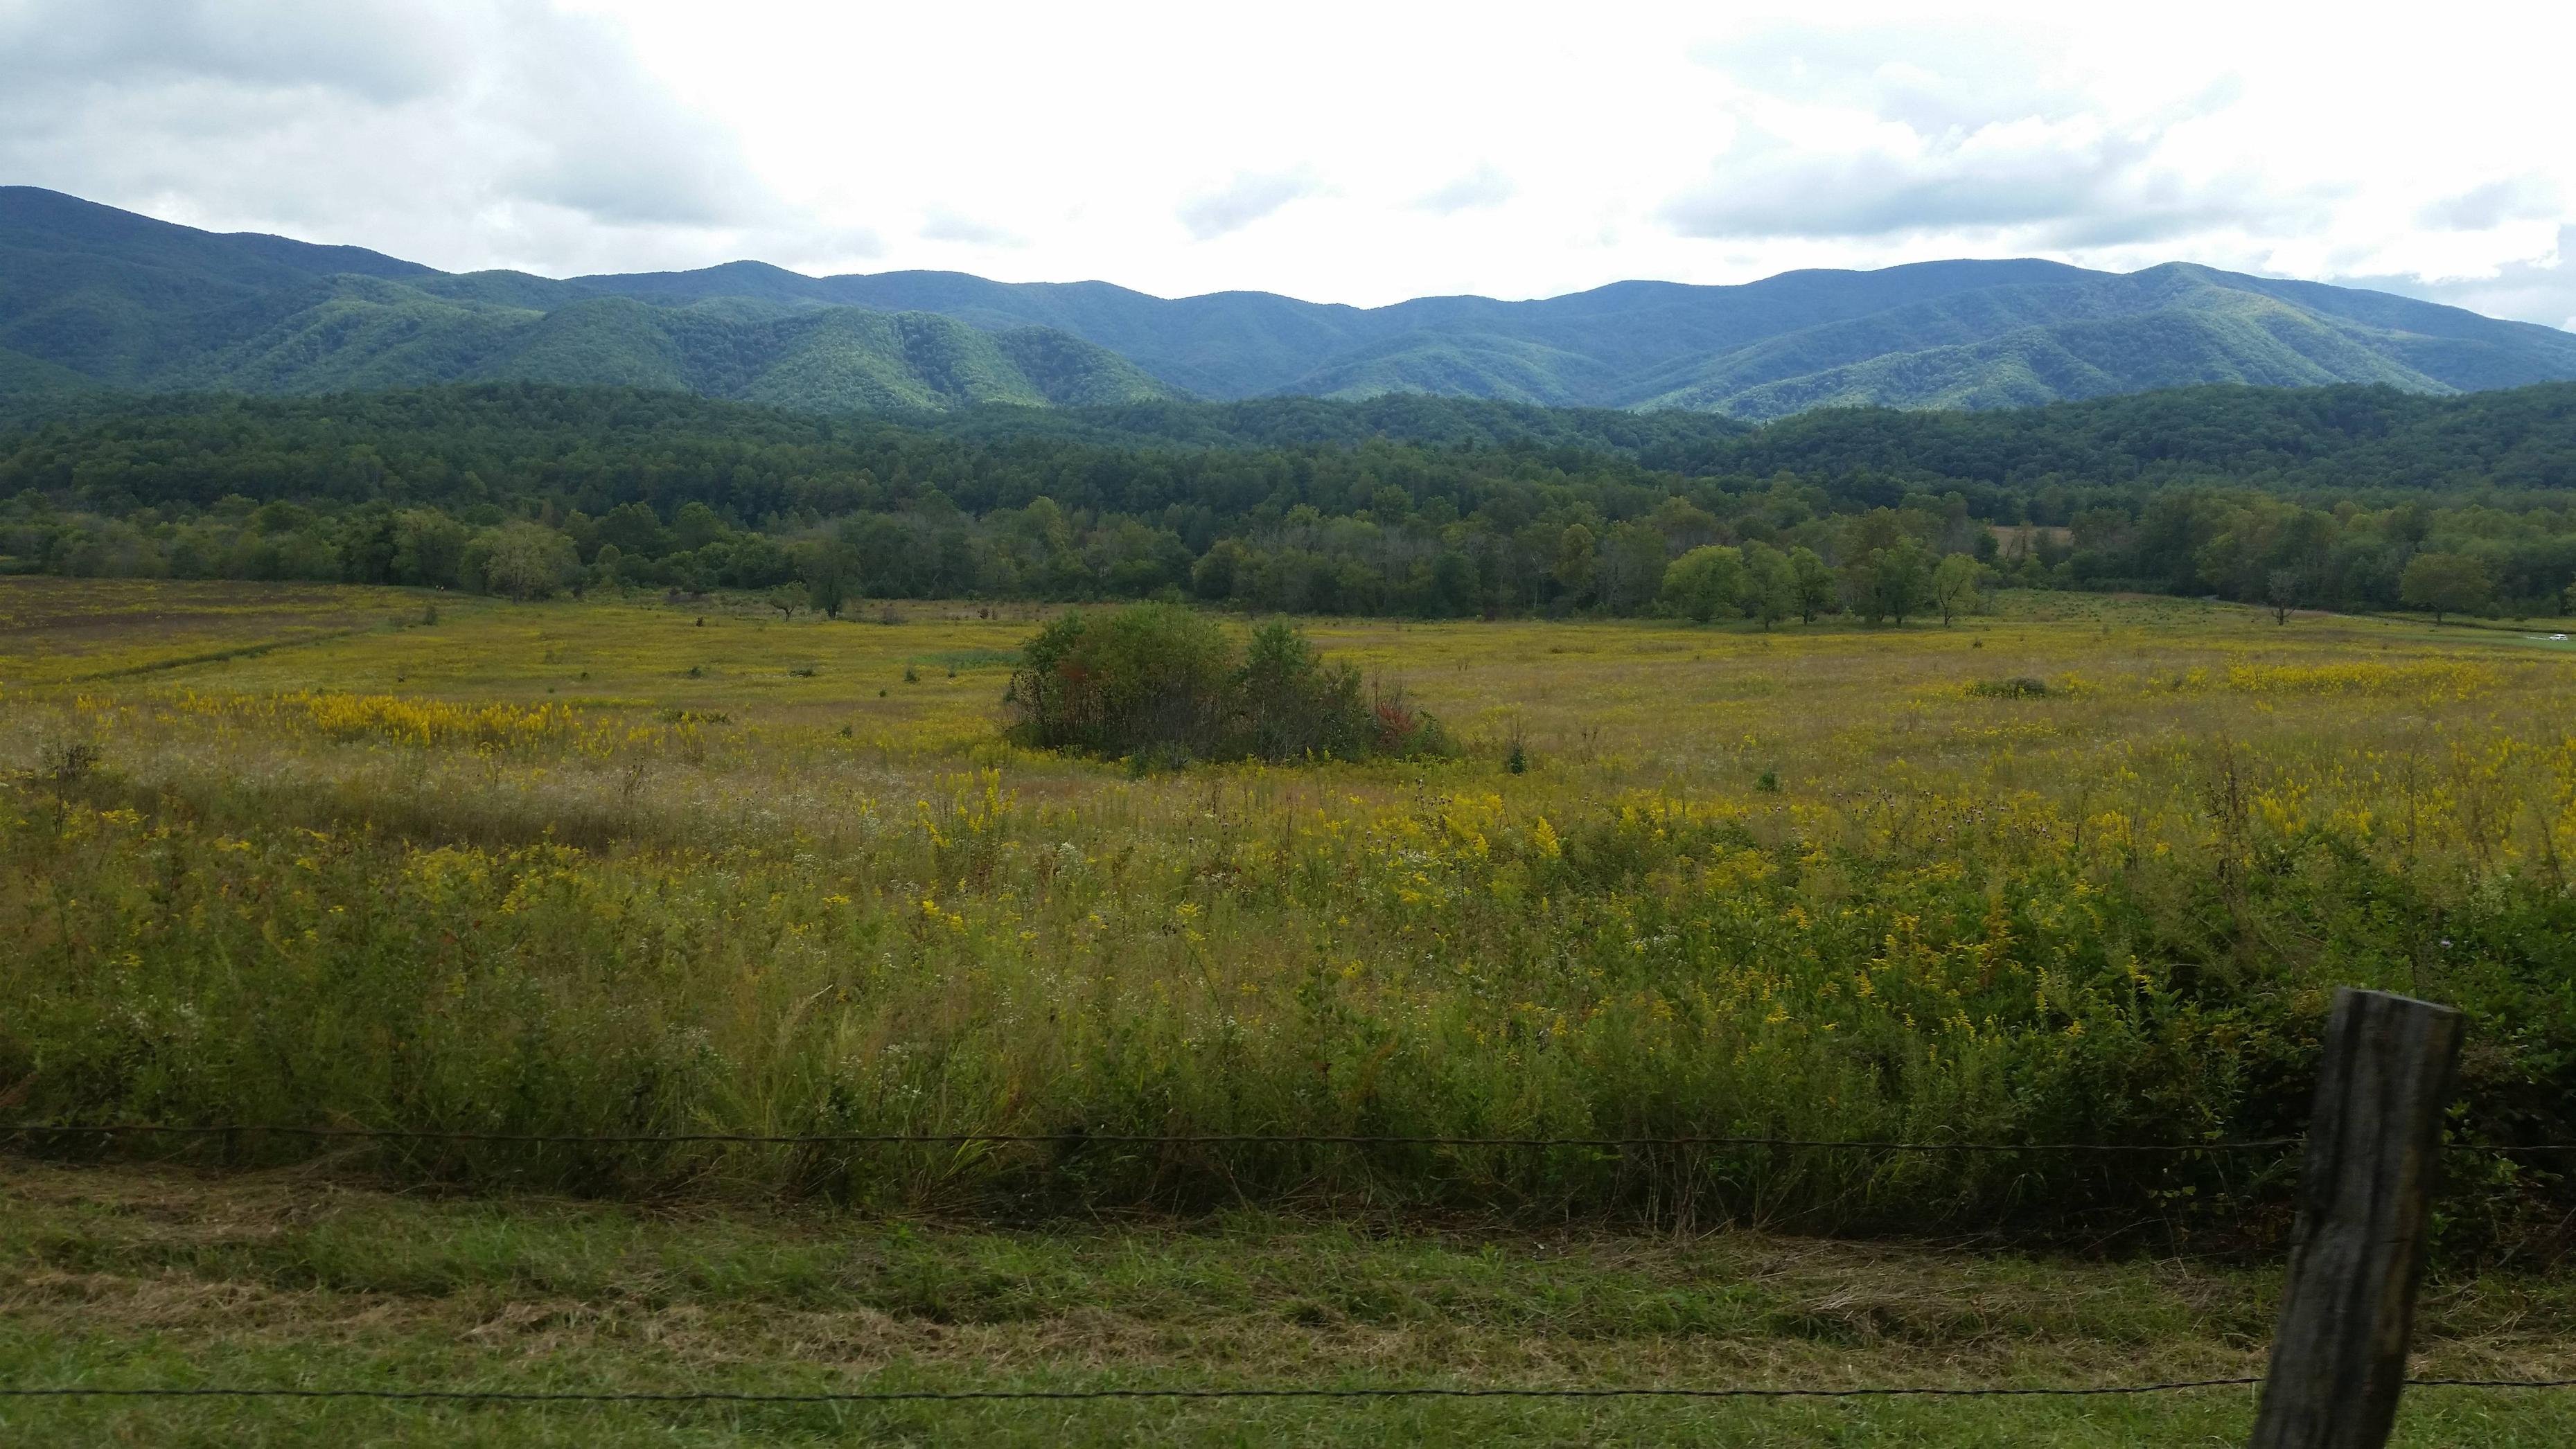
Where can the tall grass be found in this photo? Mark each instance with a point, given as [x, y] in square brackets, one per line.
[2112, 912]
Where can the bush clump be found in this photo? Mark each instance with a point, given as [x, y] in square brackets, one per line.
[2019, 687]
[1161, 682]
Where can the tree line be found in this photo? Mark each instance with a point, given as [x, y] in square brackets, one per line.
[1433, 507]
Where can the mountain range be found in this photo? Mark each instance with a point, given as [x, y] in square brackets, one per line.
[94, 299]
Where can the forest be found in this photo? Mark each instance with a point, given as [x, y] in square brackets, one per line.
[2347, 498]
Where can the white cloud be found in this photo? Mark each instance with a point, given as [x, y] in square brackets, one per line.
[388, 54]
[1484, 186]
[1246, 198]
[1911, 131]
[947, 226]
[2007, 174]
[1928, 78]
[468, 134]
[2480, 208]
[2539, 288]
[1503, 147]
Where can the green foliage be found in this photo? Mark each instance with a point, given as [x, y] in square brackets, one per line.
[2093, 334]
[1886, 571]
[1955, 581]
[2446, 583]
[1161, 682]
[1153, 675]
[123, 301]
[518, 561]
[1770, 584]
[1706, 582]
[2209, 491]
[1811, 583]
[97, 298]
[2019, 687]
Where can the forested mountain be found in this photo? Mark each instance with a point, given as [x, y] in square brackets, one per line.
[91, 296]
[121, 301]
[2336, 497]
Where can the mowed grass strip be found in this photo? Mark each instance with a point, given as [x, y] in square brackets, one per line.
[111, 1276]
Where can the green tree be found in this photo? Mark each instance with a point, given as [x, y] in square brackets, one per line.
[1157, 681]
[1955, 581]
[696, 525]
[429, 549]
[1704, 583]
[1888, 582]
[1770, 584]
[1220, 571]
[1632, 567]
[521, 561]
[787, 599]
[1811, 583]
[2281, 591]
[830, 570]
[2447, 583]
[1573, 571]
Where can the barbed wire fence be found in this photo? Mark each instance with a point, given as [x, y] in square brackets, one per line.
[2336, 1333]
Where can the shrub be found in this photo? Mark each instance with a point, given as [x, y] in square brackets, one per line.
[1162, 684]
[1156, 674]
[2019, 687]
[69, 764]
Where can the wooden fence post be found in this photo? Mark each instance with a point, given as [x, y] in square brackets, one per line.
[2365, 1198]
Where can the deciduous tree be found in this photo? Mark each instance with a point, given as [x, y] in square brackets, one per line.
[2446, 583]
[1955, 581]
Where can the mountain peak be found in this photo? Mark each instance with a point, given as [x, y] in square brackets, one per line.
[118, 300]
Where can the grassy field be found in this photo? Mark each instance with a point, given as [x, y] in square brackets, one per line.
[2081, 869]
[113, 1276]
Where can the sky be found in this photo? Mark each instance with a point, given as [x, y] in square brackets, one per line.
[1343, 153]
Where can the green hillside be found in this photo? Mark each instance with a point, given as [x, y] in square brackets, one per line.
[24, 377]
[1934, 334]
[2165, 327]
[114, 301]
[128, 303]
[1463, 365]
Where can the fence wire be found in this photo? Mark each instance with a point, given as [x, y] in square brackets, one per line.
[1392, 1391]
[886, 1396]
[60, 1131]
[1122, 1139]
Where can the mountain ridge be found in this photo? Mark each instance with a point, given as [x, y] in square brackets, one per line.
[126, 302]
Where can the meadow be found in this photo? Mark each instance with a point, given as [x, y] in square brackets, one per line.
[2078, 869]
[2083, 869]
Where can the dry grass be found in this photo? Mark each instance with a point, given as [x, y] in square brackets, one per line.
[619, 864]
[236, 1276]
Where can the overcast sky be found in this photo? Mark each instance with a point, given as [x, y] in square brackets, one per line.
[1353, 153]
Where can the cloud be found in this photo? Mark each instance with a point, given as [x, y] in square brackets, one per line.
[948, 226]
[2538, 289]
[612, 142]
[1483, 186]
[382, 55]
[2093, 187]
[473, 130]
[1249, 197]
[1931, 79]
[2515, 198]
[1910, 131]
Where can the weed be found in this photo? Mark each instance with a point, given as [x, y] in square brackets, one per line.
[739, 905]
